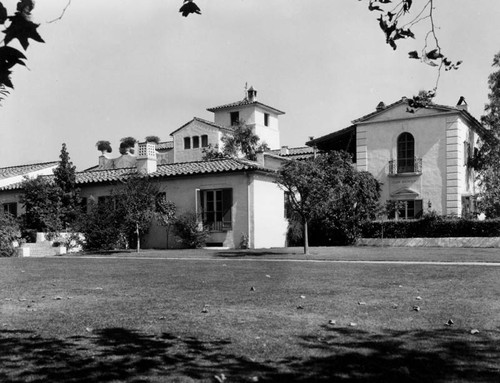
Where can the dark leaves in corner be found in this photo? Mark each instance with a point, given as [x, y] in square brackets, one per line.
[9, 57]
[5, 79]
[22, 29]
[3, 14]
[189, 7]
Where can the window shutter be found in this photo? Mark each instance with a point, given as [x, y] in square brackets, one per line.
[227, 204]
[198, 203]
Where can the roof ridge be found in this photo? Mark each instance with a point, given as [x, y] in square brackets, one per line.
[22, 166]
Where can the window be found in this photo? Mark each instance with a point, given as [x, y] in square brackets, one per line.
[406, 209]
[406, 153]
[467, 152]
[216, 209]
[196, 142]
[204, 141]
[83, 204]
[266, 119]
[187, 142]
[235, 118]
[10, 208]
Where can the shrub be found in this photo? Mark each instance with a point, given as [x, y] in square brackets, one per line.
[432, 226]
[9, 232]
[191, 232]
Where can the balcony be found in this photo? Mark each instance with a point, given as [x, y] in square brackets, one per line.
[405, 167]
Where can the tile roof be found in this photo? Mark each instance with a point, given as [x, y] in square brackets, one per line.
[165, 145]
[19, 170]
[299, 153]
[171, 170]
[168, 170]
[244, 102]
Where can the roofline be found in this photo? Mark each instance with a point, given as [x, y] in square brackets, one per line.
[236, 105]
[330, 135]
[212, 124]
[51, 163]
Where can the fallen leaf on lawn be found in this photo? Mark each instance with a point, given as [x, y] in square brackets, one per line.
[205, 310]
[416, 308]
[450, 322]
[161, 318]
[300, 307]
[89, 329]
[252, 288]
[224, 264]
[22, 299]
[418, 298]
[474, 331]
[400, 286]
[332, 321]
[220, 378]
[268, 276]
[395, 306]
[303, 296]
[353, 324]
[8, 299]
[57, 298]
[361, 303]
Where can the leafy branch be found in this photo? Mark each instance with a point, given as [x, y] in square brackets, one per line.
[394, 20]
[21, 28]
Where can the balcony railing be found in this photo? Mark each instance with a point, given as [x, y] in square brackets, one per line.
[405, 166]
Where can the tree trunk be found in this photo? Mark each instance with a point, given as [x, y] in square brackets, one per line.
[138, 237]
[306, 238]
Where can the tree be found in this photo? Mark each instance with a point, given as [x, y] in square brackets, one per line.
[42, 200]
[240, 140]
[136, 204]
[165, 212]
[9, 232]
[153, 139]
[330, 193]
[488, 158]
[65, 179]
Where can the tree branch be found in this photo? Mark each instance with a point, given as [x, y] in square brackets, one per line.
[62, 14]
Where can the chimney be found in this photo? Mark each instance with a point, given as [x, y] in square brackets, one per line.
[103, 161]
[380, 106]
[146, 159]
[251, 94]
[284, 151]
[462, 104]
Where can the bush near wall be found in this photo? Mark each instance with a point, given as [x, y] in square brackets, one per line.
[432, 227]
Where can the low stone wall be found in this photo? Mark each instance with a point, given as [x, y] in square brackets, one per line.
[431, 242]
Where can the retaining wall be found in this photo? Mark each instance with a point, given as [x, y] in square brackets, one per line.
[431, 242]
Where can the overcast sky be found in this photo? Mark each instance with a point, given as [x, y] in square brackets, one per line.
[117, 68]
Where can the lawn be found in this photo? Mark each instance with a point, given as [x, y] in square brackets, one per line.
[167, 320]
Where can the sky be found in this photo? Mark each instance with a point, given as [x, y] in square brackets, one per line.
[117, 68]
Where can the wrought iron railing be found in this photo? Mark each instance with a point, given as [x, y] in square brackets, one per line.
[405, 165]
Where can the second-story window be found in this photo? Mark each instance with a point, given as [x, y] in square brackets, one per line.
[196, 142]
[187, 142]
[406, 153]
[204, 141]
[266, 119]
[235, 118]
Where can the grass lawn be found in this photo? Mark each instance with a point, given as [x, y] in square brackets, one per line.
[165, 320]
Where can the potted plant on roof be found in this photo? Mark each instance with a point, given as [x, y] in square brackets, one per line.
[104, 147]
[127, 145]
[153, 139]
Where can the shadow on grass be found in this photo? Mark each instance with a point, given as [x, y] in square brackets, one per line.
[119, 355]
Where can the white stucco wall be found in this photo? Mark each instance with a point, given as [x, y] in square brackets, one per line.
[439, 141]
[195, 128]
[254, 115]
[183, 192]
[48, 171]
[268, 221]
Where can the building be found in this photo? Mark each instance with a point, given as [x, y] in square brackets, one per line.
[12, 175]
[420, 156]
[237, 199]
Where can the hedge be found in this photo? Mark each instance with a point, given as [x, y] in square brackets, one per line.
[431, 227]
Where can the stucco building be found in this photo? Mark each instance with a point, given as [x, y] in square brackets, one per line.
[419, 155]
[237, 199]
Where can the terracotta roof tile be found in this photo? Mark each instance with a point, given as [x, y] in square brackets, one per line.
[13, 171]
[299, 153]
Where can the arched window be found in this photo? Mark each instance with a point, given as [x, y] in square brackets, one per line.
[406, 153]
